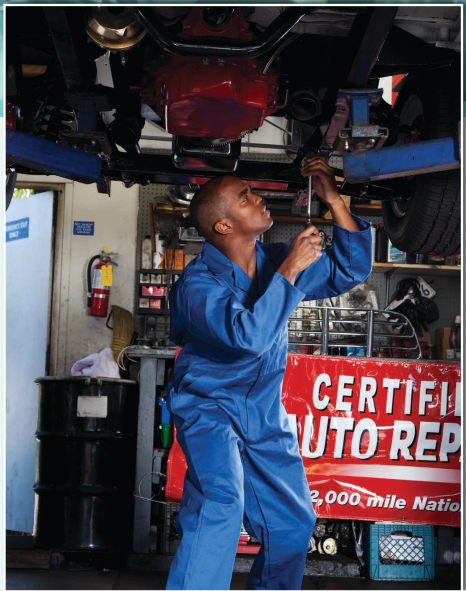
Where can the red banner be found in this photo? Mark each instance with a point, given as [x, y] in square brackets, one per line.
[380, 439]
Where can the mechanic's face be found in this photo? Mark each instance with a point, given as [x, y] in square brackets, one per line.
[247, 210]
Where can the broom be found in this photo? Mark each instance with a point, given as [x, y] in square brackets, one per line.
[123, 328]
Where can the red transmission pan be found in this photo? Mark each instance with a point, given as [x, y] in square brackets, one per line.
[212, 97]
[380, 439]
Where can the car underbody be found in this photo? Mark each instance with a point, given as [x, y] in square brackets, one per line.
[93, 83]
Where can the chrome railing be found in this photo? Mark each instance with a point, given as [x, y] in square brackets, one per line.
[327, 329]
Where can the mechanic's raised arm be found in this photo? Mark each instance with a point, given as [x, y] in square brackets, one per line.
[209, 310]
[349, 261]
[323, 182]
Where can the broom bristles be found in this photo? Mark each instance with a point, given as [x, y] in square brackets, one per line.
[123, 328]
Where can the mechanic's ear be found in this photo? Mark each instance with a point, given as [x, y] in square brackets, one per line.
[224, 226]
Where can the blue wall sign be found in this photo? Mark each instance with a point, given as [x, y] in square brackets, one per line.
[83, 228]
[17, 230]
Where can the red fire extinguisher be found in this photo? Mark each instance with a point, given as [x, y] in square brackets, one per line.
[98, 294]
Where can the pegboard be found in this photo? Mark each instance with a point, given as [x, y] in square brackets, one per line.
[448, 288]
[155, 194]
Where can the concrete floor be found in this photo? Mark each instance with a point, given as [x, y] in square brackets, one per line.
[131, 579]
[29, 567]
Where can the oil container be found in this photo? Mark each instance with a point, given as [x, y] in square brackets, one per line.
[85, 463]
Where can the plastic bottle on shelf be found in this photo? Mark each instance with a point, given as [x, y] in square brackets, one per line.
[146, 253]
[165, 425]
[159, 254]
[381, 244]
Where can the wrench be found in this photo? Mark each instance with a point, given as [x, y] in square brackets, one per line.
[309, 192]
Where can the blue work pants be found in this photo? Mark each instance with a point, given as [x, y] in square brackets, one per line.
[243, 466]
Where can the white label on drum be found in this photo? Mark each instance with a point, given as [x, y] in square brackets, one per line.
[92, 406]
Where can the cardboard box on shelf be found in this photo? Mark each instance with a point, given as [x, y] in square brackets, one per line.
[152, 290]
[425, 337]
[174, 259]
[442, 336]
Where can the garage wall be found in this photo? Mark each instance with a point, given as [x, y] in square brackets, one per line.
[74, 334]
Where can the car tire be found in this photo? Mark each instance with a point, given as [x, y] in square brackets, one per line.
[429, 220]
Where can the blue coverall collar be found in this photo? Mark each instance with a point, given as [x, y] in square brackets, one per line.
[219, 264]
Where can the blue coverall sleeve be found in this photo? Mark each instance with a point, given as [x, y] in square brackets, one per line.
[342, 267]
[211, 312]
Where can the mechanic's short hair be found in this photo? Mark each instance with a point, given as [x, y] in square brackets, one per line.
[208, 206]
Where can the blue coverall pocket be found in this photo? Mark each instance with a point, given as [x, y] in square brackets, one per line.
[186, 386]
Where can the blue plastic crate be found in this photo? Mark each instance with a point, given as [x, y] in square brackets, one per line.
[399, 552]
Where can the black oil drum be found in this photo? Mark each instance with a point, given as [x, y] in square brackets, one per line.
[85, 463]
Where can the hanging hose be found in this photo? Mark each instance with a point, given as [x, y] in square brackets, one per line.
[279, 50]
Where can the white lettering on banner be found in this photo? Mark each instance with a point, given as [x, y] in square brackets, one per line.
[409, 397]
[366, 396]
[307, 437]
[402, 444]
[341, 425]
[422, 504]
[344, 393]
[388, 502]
[322, 379]
[458, 400]
[450, 446]
[424, 444]
[391, 386]
[444, 400]
[363, 426]
[368, 389]
[424, 398]
[412, 440]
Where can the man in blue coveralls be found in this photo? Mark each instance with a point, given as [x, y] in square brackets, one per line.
[229, 314]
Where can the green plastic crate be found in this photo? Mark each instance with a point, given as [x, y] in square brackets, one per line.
[399, 552]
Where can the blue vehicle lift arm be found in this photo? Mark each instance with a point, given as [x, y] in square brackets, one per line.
[405, 160]
[50, 158]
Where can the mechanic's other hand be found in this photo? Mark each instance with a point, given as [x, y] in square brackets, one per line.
[305, 249]
[323, 178]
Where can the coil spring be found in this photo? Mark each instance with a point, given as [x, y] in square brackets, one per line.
[54, 115]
